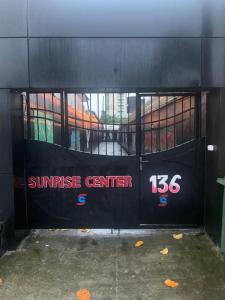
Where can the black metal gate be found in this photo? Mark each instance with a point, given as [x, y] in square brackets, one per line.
[113, 160]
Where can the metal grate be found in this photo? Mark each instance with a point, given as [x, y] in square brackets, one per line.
[106, 123]
[43, 112]
[102, 123]
[166, 122]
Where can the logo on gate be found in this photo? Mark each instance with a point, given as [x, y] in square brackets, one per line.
[163, 200]
[81, 199]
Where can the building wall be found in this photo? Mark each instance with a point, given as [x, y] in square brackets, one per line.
[113, 44]
[120, 45]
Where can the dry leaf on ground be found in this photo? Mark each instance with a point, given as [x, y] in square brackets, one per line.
[178, 236]
[171, 283]
[139, 244]
[1, 281]
[164, 251]
[83, 294]
[84, 230]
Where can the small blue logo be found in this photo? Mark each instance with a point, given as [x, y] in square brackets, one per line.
[163, 200]
[81, 199]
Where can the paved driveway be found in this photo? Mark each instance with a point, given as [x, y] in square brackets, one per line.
[54, 265]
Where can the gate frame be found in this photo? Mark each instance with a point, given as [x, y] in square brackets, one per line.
[64, 92]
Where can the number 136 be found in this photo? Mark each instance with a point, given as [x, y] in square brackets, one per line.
[160, 184]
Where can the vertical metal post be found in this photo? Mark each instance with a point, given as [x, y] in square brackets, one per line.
[182, 120]
[139, 142]
[83, 129]
[159, 124]
[138, 125]
[28, 116]
[166, 122]
[151, 127]
[64, 120]
[190, 127]
[121, 127]
[44, 110]
[37, 116]
[174, 122]
[198, 116]
[113, 124]
[128, 125]
[98, 120]
[106, 125]
[75, 121]
[143, 121]
[53, 116]
[91, 132]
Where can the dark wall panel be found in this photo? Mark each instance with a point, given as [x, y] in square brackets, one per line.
[13, 20]
[115, 18]
[213, 58]
[6, 176]
[6, 196]
[121, 63]
[5, 132]
[221, 156]
[18, 161]
[13, 63]
[6, 211]
[215, 163]
[213, 21]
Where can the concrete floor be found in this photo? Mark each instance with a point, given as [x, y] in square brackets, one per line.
[55, 264]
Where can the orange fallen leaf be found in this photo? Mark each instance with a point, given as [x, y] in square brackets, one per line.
[83, 294]
[139, 244]
[171, 283]
[84, 230]
[1, 281]
[164, 251]
[178, 236]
